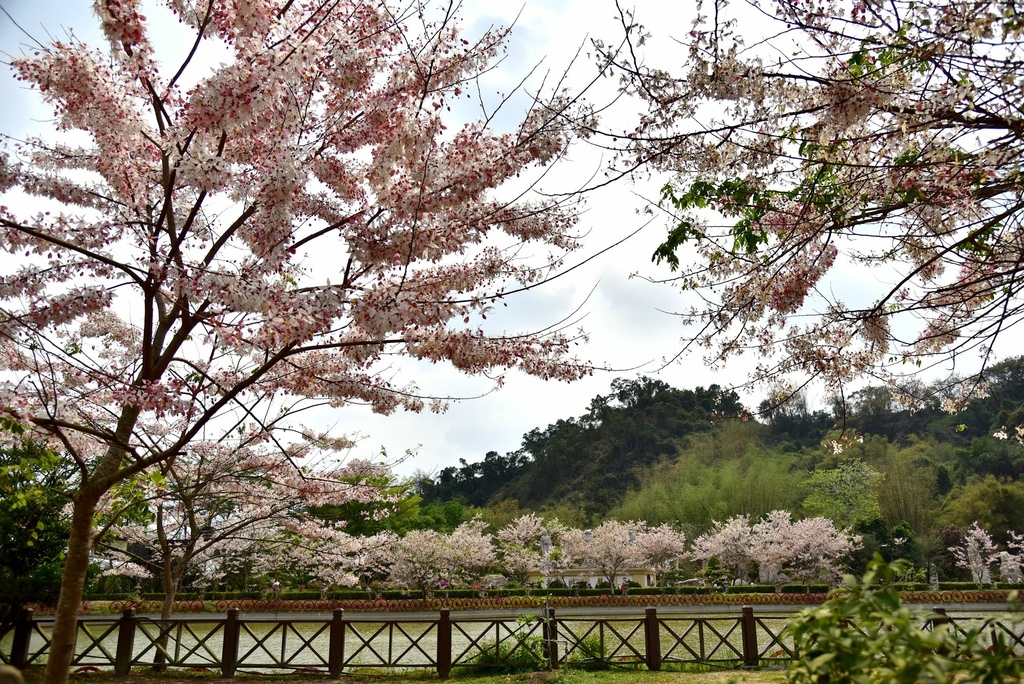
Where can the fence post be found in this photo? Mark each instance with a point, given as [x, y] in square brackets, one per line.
[652, 638]
[444, 644]
[941, 619]
[550, 632]
[22, 637]
[229, 654]
[336, 655]
[748, 627]
[125, 643]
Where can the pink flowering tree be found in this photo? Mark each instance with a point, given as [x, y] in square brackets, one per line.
[568, 553]
[519, 546]
[817, 550]
[611, 548]
[471, 552]
[977, 553]
[770, 545]
[419, 559]
[218, 502]
[808, 550]
[730, 542]
[660, 547]
[425, 558]
[805, 139]
[324, 556]
[219, 246]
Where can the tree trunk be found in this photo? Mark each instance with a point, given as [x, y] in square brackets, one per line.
[72, 584]
[170, 590]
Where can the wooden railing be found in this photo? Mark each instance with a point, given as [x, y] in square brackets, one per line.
[341, 643]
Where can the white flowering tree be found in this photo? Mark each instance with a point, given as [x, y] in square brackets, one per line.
[220, 244]
[977, 553]
[806, 139]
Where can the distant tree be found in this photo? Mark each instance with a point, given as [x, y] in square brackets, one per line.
[847, 495]
[660, 547]
[995, 504]
[730, 542]
[791, 421]
[977, 553]
[947, 537]
[518, 545]
[908, 492]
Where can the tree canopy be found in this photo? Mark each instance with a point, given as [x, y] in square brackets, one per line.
[200, 252]
[805, 141]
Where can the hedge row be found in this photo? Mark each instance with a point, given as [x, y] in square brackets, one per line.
[398, 594]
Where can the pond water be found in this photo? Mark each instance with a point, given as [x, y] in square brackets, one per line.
[270, 645]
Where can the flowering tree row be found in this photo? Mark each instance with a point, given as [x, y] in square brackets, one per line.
[529, 548]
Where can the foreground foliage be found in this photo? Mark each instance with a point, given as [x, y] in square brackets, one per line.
[865, 635]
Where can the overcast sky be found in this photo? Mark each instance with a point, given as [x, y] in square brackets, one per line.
[627, 319]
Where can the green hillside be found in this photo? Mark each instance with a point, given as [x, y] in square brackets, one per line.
[652, 452]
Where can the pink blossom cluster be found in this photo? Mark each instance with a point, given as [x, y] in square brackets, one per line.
[866, 152]
[811, 549]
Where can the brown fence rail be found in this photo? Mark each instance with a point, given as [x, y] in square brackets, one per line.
[232, 643]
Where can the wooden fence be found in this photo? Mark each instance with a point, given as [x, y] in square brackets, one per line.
[341, 643]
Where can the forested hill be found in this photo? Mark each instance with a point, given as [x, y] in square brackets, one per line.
[588, 462]
[646, 437]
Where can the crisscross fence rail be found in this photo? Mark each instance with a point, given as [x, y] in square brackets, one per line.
[342, 643]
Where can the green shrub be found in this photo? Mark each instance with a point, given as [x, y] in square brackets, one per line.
[457, 593]
[588, 654]
[793, 589]
[751, 589]
[515, 653]
[911, 586]
[959, 586]
[866, 635]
